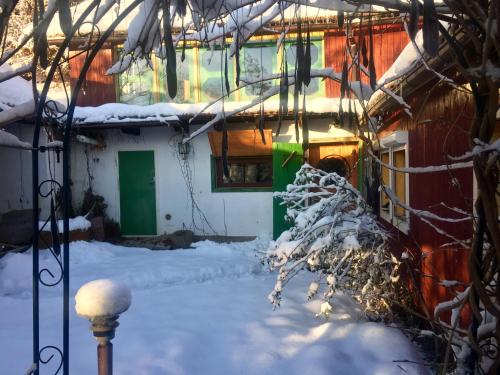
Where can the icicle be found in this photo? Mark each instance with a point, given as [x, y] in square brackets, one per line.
[307, 58]
[414, 16]
[371, 62]
[170, 51]
[64, 16]
[430, 28]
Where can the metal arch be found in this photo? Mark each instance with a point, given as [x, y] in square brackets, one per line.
[46, 276]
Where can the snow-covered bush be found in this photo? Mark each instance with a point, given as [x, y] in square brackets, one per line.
[335, 236]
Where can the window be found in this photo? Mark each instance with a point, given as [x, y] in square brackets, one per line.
[257, 61]
[200, 77]
[395, 153]
[250, 162]
[185, 78]
[212, 80]
[251, 172]
[144, 82]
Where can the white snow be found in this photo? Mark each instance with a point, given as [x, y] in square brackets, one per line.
[16, 97]
[10, 140]
[76, 223]
[165, 112]
[101, 298]
[197, 311]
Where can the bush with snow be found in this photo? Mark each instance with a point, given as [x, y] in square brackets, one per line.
[335, 236]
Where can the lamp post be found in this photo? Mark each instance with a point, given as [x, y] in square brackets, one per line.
[102, 301]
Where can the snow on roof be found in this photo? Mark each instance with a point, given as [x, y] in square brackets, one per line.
[10, 140]
[54, 30]
[16, 97]
[407, 59]
[115, 113]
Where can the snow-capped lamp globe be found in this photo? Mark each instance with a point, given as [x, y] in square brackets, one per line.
[102, 301]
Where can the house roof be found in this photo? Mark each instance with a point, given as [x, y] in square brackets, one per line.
[118, 115]
[326, 14]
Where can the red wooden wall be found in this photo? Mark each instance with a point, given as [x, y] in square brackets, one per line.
[440, 130]
[388, 42]
[98, 88]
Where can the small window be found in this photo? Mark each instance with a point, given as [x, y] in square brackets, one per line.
[395, 155]
[245, 172]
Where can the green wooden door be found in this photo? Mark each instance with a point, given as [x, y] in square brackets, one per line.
[137, 193]
[287, 160]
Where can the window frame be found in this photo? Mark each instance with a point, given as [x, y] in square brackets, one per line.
[217, 175]
[398, 141]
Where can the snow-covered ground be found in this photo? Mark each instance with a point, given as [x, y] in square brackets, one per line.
[197, 311]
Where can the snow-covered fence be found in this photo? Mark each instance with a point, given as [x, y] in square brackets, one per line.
[334, 236]
[102, 302]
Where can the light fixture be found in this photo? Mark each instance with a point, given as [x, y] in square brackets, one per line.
[183, 149]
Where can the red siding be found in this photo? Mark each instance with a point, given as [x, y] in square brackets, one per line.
[98, 88]
[388, 42]
[441, 129]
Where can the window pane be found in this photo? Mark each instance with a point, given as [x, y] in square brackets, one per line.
[316, 86]
[384, 201]
[185, 78]
[212, 74]
[400, 183]
[258, 62]
[245, 172]
[136, 84]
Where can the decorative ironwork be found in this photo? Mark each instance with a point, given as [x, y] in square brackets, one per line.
[48, 111]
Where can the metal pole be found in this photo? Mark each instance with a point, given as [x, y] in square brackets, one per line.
[104, 331]
[105, 358]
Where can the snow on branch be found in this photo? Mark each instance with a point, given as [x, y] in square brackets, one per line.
[334, 236]
[428, 169]
[10, 140]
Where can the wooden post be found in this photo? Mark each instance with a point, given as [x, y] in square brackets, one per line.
[104, 331]
[105, 358]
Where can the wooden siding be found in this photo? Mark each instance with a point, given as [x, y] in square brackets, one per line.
[347, 150]
[98, 87]
[242, 143]
[388, 42]
[441, 128]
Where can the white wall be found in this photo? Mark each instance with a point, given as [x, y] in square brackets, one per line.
[232, 214]
[16, 172]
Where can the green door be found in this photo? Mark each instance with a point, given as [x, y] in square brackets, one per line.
[137, 193]
[287, 160]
